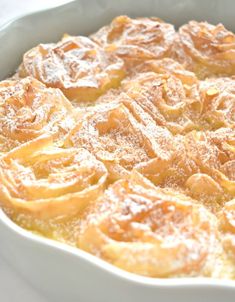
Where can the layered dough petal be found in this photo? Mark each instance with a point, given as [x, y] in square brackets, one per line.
[76, 65]
[200, 164]
[166, 99]
[206, 49]
[28, 109]
[41, 181]
[150, 231]
[218, 98]
[167, 66]
[136, 40]
[176, 99]
[119, 139]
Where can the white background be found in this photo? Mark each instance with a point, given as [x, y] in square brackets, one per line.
[13, 288]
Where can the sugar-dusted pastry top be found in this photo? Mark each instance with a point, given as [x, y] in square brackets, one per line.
[78, 66]
[28, 109]
[123, 144]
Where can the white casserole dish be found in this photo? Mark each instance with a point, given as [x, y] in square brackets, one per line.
[63, 273]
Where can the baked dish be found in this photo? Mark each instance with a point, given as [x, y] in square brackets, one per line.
[122, 144]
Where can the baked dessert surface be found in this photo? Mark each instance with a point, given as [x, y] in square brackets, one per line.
[123, 144]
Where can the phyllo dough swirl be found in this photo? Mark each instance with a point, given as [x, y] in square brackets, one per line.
[218, 99]
[168, 66]
[166, 99]
[136, 40]
[42, 181]
[29, 109]
[206, 49]
[76, 65]
[201, 163]
[119, 139]
[149, 231]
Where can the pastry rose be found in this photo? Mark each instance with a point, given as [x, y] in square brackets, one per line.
[170, 67]
[41, 181]
[28, 109]
[119, 139]
[76, 65]
[200, 163]
[135, 40]
[166, 99]
[149, 230]
[206, 49]
[218, 98]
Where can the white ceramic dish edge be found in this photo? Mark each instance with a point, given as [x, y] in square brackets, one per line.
[57, 266]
